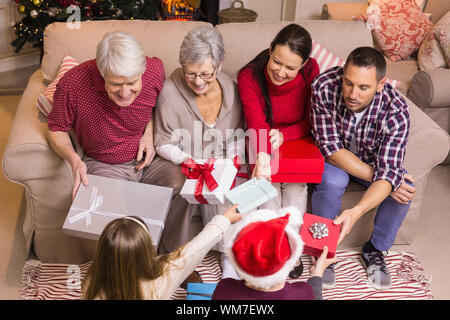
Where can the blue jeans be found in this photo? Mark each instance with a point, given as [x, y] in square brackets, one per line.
[327, 198]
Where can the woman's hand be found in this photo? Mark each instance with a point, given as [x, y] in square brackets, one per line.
[320, 264]
[232, 215]
[276, 138]
[262, 168]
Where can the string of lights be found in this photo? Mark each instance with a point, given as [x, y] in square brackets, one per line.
[37, 14]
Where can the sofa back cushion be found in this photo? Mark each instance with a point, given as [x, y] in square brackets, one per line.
[243, 41]
[160, 39]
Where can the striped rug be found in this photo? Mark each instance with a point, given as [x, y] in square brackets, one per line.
[44, 281]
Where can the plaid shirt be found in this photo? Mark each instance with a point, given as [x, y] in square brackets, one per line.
[381, 135]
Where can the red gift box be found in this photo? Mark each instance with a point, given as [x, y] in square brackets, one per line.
[298, 161]
[314, 247]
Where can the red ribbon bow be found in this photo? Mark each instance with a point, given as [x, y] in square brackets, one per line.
[202, 172]
[237, 165]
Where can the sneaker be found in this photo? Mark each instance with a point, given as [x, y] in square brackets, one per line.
[329, 277]
[376, 267]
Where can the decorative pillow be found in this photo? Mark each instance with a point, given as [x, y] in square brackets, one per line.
[327, 60]
[420, 3]
[45, 99]
[398, 26]
[324, 58]
[435, 50]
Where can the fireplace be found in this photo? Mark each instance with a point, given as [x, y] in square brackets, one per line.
[190, 10]
[179, 10]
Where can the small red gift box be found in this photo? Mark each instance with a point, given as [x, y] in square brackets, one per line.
[314, 247]
[298, 161]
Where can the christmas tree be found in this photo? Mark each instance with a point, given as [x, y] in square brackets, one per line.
[40, 13]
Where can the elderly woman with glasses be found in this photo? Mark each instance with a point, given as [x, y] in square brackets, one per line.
[198, 113]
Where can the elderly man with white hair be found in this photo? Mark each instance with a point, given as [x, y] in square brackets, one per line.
[108, 103]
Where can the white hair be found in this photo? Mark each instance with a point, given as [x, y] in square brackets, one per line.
[120, 54]
[200, 44]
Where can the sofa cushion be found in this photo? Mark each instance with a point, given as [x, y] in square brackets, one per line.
[241, 47]
[398, 26]
[45, 99]
[160, 39]
[435, 50]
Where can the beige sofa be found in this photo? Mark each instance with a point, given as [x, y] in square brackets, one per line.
[427, 89]
[48, 181]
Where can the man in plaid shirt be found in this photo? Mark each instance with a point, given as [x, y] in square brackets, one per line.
[361, 125]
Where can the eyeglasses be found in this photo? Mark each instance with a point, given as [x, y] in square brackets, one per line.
[204, 76]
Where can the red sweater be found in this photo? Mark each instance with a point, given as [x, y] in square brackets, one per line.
[106, 132]
[290, 104]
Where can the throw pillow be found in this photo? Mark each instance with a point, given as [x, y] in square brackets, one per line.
[327, 60]
[420, 3]
[398, 26]
[324, 58]
[435, 50]
[45, 99]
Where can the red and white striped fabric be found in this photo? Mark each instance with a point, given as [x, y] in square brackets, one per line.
[45, 99]
[327, 60]
[45, 281]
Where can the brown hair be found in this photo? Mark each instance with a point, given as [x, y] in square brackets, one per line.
[124, 257]
[368, 57]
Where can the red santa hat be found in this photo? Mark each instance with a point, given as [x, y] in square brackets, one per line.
[265, 245]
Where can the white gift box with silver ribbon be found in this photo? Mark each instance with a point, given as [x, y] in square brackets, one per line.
[106, 199]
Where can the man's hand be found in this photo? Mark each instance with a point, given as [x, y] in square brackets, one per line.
[405, 192]
[276, 138]
[262, 168]
[145, 146]
[347, 218]
[79, 171]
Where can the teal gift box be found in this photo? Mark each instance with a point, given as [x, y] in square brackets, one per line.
[251, 194]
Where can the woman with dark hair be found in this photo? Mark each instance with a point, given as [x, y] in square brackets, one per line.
[275, 91]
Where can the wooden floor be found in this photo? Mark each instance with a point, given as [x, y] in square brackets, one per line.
[14, 82]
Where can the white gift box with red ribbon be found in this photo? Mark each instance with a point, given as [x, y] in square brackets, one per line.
[207, 180]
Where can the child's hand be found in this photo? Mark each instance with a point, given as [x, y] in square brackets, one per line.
[320, 264]
[232, 215]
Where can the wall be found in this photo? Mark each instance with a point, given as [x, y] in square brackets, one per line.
[312, 9]
[287, 10]
[267, 9]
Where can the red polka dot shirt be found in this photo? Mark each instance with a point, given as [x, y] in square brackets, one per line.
[106, 132]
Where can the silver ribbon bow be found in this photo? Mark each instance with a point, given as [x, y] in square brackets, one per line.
[319, 230]
[95, 202]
